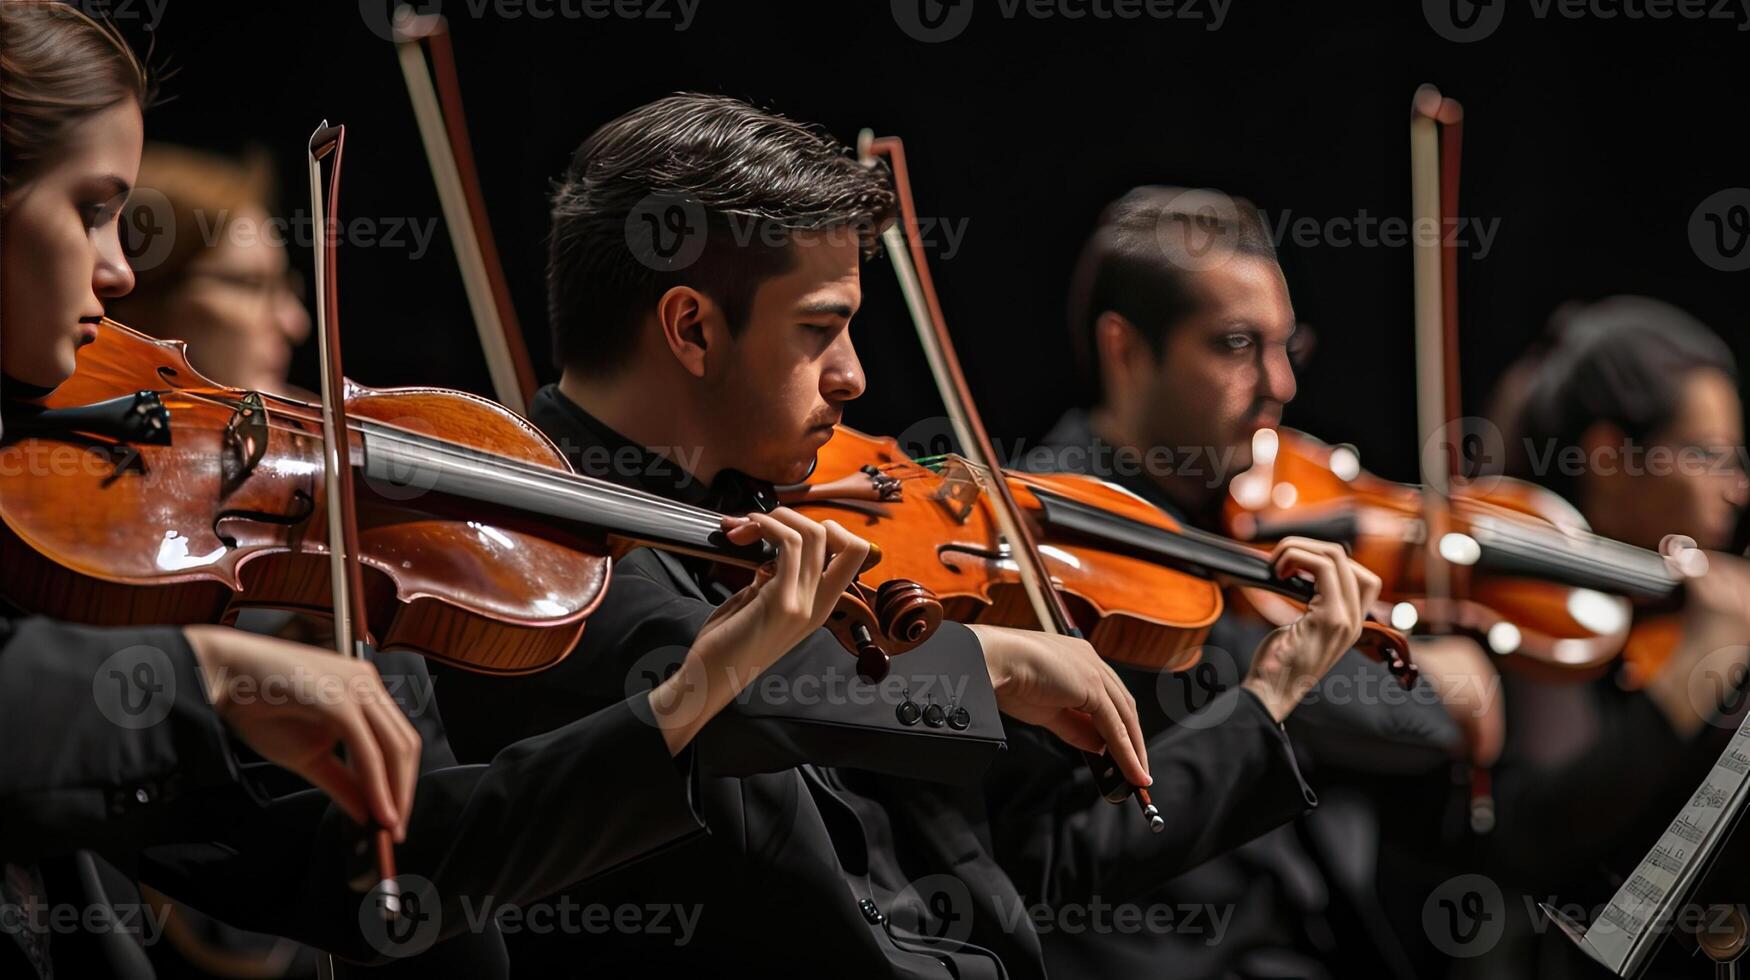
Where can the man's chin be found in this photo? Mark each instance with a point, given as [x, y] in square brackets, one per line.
[786, 472]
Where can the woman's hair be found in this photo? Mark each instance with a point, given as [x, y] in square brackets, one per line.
[1621, 360]
[58, 67]
[193, 198]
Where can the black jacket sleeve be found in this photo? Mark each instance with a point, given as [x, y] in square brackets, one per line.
[1360, 719]
[100, 728]
[810, 706]
[1224, 776]
[546, 813]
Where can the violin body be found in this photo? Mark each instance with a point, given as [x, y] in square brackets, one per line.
[1132, 576]
[228, 514]
[1527, 578]
[141, 492]
[939, 531]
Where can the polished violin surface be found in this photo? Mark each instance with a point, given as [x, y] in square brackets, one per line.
[140, 491]
[1143, 588]
[1528, 580]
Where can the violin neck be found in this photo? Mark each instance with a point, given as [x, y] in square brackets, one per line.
[407, 463]
[1582, 560]
[1189, 549]
[1510, 546]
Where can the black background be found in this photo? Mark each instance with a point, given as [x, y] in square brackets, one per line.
[1591, 139]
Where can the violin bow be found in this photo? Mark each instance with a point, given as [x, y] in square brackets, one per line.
[1435, 132]
[904, 247]
[436, 93]
[351, 625]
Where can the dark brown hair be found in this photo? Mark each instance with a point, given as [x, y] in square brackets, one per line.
[1621, 360]
[1141, 258]
[731, 175]
[58, 66]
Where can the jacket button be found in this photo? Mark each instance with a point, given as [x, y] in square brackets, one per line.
[934, 716]
[142, 795]
[871, 912]
[959, 719]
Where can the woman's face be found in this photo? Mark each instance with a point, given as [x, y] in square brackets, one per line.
[63, 254]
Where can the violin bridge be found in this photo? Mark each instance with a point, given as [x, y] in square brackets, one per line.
[960, 488]
[245, 439]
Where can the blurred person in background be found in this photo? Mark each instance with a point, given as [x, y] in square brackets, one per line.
[211, 266]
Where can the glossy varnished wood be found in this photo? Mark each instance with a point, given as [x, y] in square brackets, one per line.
[105, 534]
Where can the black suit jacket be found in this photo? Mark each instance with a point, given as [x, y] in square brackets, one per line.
[160, 794]
[1283, 891]
[101, 731]
[842, 841]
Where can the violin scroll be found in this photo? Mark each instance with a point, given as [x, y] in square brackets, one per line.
[878, 624]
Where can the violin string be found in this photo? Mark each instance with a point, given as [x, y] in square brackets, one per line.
[1580, 550]
[561, 481]
[564, 481]
[1221, 546]
[1510, 530]
[1514, 533]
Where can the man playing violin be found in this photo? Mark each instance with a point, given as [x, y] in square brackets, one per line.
[1182, 313]
[87, 778]
[703, 275]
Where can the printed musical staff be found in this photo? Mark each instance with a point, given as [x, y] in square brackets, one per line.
[1686, 829]
[1627, 931]
[1736, 760]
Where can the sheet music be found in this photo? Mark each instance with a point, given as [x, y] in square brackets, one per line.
[1629, 929]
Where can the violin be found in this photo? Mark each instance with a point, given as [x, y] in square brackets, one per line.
[1526, 578]
[1144, 588]
[1501, 560]
[141, 492]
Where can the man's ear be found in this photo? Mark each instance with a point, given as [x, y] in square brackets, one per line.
[681, 315]
[1605, 446]
[1120, 351]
